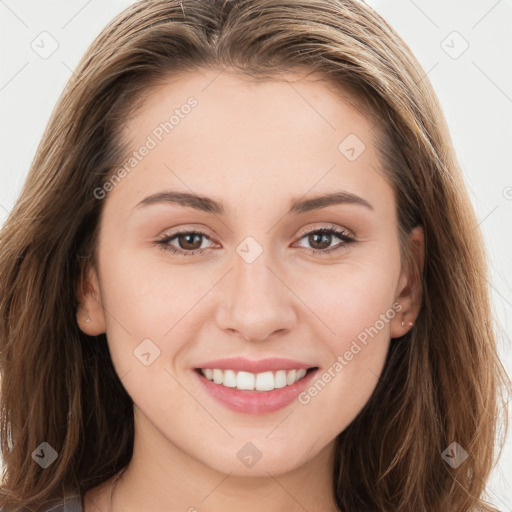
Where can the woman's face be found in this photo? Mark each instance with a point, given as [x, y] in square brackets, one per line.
[253, 172]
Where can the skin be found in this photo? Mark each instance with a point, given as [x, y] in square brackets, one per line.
[254, 148]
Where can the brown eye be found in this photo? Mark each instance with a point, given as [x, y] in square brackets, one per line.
[189, 242]
[321, 239]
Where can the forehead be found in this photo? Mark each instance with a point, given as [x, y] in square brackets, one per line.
[217, 133]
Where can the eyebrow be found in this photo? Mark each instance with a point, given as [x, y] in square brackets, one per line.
[209, 205]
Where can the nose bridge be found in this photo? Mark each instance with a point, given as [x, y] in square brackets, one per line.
[256, 303]
[254, 278]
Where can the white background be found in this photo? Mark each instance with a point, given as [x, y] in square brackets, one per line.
[475, 90]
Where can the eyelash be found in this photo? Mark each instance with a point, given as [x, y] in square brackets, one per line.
[339, 233]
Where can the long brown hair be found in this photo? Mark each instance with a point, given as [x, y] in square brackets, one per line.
[442, 382]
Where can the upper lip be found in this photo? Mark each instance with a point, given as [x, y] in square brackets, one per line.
[255, 366]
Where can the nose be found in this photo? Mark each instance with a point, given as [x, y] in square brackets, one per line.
[256, 301]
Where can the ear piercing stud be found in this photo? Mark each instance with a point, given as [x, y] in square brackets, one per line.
[87, 319]
[410, 324]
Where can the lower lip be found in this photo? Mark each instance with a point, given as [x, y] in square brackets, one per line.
[255, 402]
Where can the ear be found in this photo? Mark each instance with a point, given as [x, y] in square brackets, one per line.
[91, 307]
[409, 289]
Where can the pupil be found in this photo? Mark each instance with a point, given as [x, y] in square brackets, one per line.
[189, 236]
[327, 240]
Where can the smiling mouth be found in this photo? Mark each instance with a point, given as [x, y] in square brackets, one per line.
[247, 381]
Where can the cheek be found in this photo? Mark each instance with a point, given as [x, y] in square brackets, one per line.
[352, 296]
[147, 293]
[151, 307]
[360, 319]
[357, 301]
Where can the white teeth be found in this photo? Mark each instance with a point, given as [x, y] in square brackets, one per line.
[265, 381]
[291, 377]
[280, 379]
[245, 380]
[218, 376]
[229, 379]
